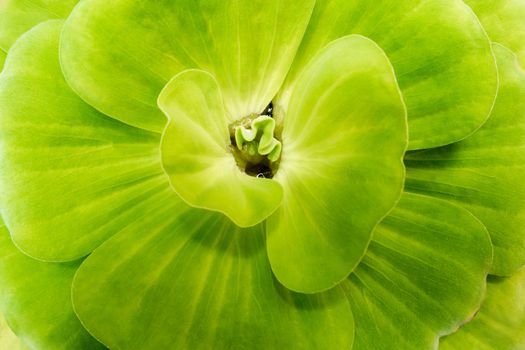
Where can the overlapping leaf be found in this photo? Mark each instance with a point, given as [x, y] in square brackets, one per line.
[440, 52]
[8, 340]
[197, 281]
[341, 170]
[18, 16]
[247, 45]
[503, 20]
[486, 172]
[422, 276]
[71, 177]
[36, 300]
[197, 155]
[500, 323]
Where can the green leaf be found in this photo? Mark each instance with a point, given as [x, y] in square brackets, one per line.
[8, 340]
[248, 45]
[500, 323]
[35, 298]
[197, 155]
[18, 16]
[486, 172]
[504, 22]
[70, 177]
[423, 275]
[3, 56]
[341, 169]
[197, 281]
[440, 52]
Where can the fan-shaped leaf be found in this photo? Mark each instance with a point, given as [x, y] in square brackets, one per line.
[197, 281]
[247, 45]
[341, 168]
[504, 22]
[440, 52]
[197, 155]
[71, 177]
[18, 16]
[500, 323]
[423, 275]
[486, 172]
[35, 297]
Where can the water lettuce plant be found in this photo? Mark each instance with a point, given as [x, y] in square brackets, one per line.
[209, 174]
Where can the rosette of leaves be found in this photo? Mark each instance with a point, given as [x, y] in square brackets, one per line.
[262, 174]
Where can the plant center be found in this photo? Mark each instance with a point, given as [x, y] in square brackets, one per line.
[253, 144]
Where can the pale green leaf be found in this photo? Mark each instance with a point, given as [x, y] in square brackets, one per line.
[486, 172]
[341, 169]
[18, 16]
[248, 45]
[70, 177]
[440, 52]
[423, 275]
[197, 153]
[197, 281]
[2, 59]
[500, 323]
[504, 21]
[8, 340]
[35, 298]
